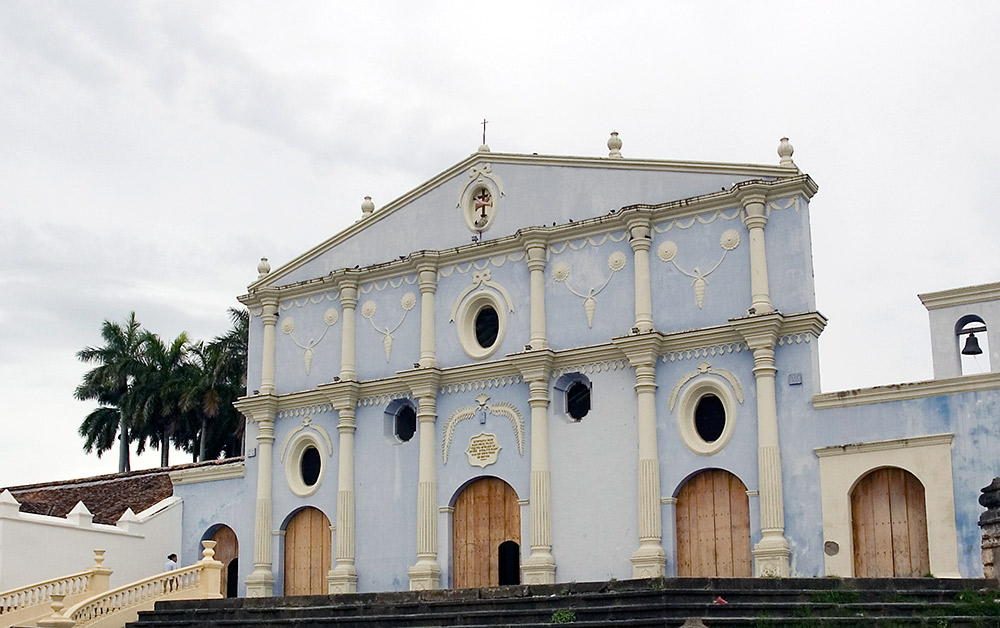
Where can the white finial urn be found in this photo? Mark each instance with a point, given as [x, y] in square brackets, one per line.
[263, 268]
[367, 207]
[785, 151]
[615, 146]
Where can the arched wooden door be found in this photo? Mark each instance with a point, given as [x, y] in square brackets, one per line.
[227, 551]
[889, 524]
[486, 515]
[307, 553]
[713, 526]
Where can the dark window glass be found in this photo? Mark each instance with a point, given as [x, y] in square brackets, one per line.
[310, 466]
[578, 400]
[487, 327]
[406, 423]
[710, 418]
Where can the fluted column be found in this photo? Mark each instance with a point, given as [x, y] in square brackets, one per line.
[426, 572]
[540, 566]
[261, 410]
[343, 578]
[536, 253]
[772, 553]
[348, 303]
[640, 239]
[649, 559]
[427, 278]
[755, 218]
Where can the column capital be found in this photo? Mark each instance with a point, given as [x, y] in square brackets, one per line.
[760, 331]
[640, 349]
[639, 231]
[258, 408]
[422, 382]
[533, 238]
[534, 365]
[343, 395]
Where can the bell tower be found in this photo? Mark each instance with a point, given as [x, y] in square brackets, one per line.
[965, 330]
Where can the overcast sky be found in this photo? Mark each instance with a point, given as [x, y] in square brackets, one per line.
[152, 152]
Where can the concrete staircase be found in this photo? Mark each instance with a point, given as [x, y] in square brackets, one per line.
[717, 602]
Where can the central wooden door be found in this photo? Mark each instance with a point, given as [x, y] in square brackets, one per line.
[307, 553]
[889, 524]
[713, 527]
[486, 515]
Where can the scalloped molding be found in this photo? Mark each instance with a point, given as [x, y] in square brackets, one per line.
[392, 282]
[590, 369]
[314, 299]
[496, 261]
[614, 236]
[795, 339]
[912, 390]
[210, 473]
[304, 410]
[501, 408]
[382, 400]
[483, 384]
[704, 352]
[687, 223]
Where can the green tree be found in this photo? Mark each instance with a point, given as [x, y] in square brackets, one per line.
[158, 392]
[111, 383]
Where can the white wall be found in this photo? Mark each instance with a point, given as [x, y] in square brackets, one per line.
[34, 547]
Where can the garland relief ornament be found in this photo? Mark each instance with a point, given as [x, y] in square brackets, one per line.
[561, 271]
[368, 311]
[667, 252]
[330, 317]
[485, 450]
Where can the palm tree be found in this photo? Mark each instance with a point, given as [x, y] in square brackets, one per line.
[159, 392]
[111, 382]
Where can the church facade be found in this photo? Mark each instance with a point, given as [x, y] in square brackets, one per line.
[546, 369]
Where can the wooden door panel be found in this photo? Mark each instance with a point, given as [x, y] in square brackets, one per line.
[889, 525]
[713, 526]
[486, 514]
[308, 550]
[227, 549]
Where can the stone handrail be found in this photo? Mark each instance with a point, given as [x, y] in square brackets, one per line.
[119, 606]
[29, 602]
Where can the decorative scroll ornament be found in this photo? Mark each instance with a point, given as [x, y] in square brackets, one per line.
[668, 252]
[481, 281]
[479, 198]
[706, 369]
[330, 317]
[500, 409]
[561, 271]
[368, 311]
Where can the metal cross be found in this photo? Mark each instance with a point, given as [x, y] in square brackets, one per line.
[484, 129]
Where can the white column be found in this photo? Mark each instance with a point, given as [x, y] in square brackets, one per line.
[261, 410]
[270, 319]
[649, 559]
[540, 566]
[755, 217]
[426, 572]
[640, 240]
[348, 303]
[344, 576]
[427, 277]
[536, 253]
[772, 553]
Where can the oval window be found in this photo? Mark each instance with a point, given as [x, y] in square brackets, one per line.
[710, 418]
[578, 400]
[310, 466]
[487, 327]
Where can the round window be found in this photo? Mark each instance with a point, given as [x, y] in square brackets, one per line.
[310, 466]
[487, 327]
[709, 418]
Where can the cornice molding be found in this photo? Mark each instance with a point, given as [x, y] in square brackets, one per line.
[209, 473]
[258, 408]
[885, 445]
[912, 390]
[615, 221]
[960, 296]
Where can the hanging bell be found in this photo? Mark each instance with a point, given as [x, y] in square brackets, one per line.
[971, 346]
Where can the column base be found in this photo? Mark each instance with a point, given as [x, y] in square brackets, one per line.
[260, 583]
[771, 557]
[425, 575]
[539, 568]
[342, 579]
[649, 561]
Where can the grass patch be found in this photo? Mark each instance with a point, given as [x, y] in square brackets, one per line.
[563, 616]
[836, 596]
